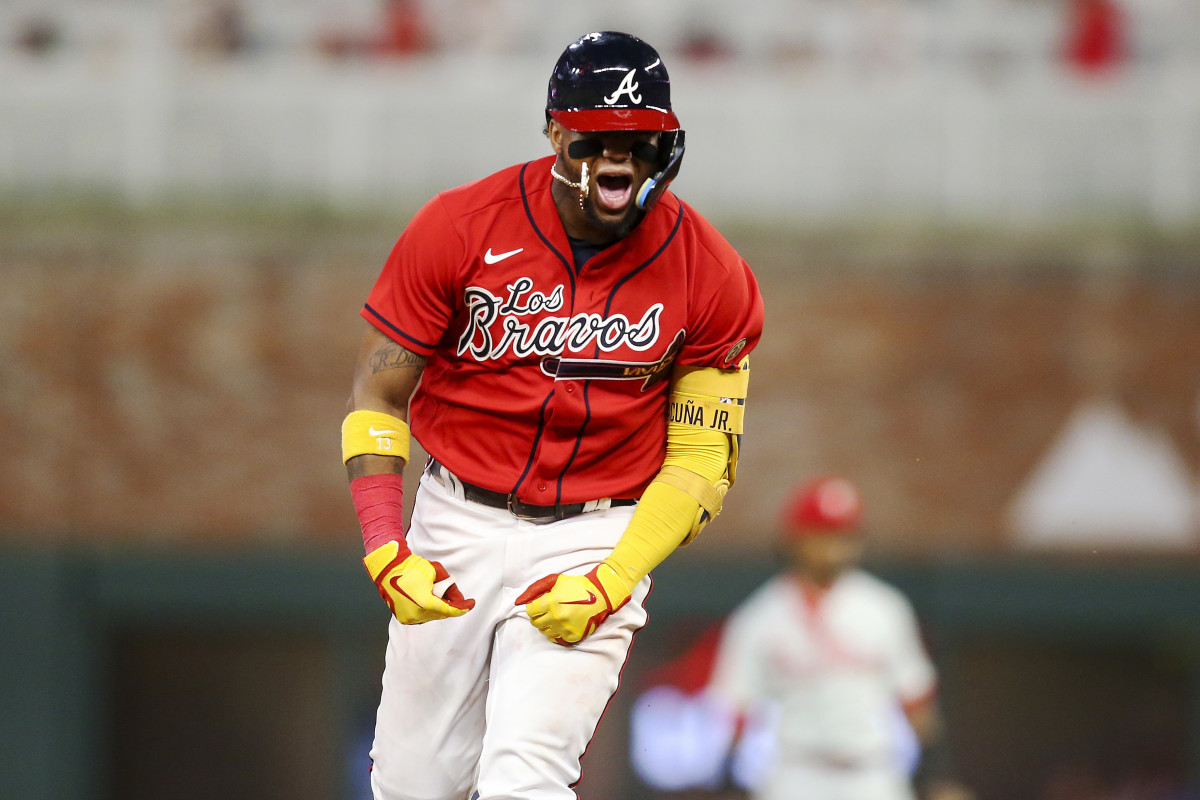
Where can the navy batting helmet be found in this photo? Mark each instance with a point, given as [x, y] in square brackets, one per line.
[610, 81]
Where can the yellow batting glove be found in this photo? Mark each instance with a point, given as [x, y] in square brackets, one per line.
[568, 608]
[406, 583]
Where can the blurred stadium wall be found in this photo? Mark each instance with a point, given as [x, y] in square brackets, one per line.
[978, 245]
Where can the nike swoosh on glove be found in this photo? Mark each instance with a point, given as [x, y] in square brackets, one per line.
[406, 583]
[568, 608]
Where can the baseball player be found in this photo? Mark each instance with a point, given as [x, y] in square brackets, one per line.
[568, 342]
[833, 652]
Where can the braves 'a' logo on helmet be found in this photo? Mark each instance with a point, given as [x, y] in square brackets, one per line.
[629, 87]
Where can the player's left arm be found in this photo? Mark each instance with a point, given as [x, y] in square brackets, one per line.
[703, 431]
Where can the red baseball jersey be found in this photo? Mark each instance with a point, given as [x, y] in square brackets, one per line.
[543, 379]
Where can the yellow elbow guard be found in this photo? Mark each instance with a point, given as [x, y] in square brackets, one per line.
[703, 434]
[710, 496]
[374, 433]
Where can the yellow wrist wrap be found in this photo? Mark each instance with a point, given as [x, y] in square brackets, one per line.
[613, 584]
[374, 433]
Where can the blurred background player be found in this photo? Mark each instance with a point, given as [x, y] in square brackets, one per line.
[830, 654]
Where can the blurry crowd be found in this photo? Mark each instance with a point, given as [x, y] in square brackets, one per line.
[862, 35]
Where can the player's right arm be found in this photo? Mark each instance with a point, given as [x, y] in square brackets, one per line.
[375, 446]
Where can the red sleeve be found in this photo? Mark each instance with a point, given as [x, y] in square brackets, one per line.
[728, 318]
[414, 298]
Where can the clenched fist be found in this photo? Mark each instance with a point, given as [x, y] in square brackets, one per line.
[567, 608]
[405, 581]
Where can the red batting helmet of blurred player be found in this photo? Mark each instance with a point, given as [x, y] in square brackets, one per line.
[829, 504]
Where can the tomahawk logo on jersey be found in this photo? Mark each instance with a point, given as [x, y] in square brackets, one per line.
[525, 334]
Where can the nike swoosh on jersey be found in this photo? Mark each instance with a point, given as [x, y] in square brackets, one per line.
[373, 431]
[493, 258]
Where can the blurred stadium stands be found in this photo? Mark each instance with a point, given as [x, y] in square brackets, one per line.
[968, 109]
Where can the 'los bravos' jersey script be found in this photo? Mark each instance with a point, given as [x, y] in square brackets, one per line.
[498, 325]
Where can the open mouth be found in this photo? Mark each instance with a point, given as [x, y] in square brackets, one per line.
[614, 192]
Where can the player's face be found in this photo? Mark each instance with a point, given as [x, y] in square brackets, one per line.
[822, 558]
[619, 162]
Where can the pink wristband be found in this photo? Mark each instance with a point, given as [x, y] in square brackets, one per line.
[379, 503]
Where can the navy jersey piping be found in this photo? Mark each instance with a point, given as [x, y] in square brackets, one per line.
[533, 224]
[587, 385]
[397, 331]
[670, 238]
[537, 437]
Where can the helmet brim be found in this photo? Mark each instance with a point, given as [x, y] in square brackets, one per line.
[616, 119]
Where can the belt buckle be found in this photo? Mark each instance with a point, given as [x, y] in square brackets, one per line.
[512, 498]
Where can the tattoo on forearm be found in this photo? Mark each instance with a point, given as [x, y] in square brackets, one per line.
[370, 465]
[394, 356]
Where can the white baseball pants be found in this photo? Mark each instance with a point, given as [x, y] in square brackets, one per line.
[813, 782]
[484, 703]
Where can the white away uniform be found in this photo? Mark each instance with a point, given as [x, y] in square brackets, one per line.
[835, 666]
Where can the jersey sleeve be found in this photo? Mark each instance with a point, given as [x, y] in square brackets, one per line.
[910, 669]
[413, 299]
[738, 680]
[727, 319]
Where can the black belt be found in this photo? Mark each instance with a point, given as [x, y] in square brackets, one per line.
[517, 506]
